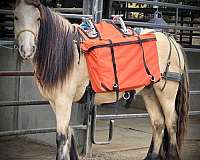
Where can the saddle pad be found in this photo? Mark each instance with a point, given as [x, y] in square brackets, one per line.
[114, 59]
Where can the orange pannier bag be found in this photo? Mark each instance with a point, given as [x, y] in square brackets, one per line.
[118, 62]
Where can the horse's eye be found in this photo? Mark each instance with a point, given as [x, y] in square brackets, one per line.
[16, 18]
[38, 19]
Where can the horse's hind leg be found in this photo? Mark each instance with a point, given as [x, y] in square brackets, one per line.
[167, 99]
[157, 120]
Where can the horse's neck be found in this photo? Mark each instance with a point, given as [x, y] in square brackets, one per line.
[81, 78]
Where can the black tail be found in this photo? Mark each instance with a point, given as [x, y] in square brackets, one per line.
[182, 108]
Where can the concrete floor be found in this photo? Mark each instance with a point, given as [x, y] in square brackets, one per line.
[132, 138]
[130, 142]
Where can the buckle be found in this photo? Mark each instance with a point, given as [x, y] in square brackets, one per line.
[115, 86]
[153, 79]
[126, 95]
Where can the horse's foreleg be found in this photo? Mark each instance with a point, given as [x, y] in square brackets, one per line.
[167, 100]
[64, 136]
[157, 120]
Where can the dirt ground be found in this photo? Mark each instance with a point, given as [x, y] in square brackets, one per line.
[130, 142]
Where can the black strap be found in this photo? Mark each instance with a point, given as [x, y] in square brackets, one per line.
[169, 55]
[121, 43]
[170, 75]
[116, 84]
[78, 46]
[179, 59]
[144, 60]
[173, 76]
[77, 40]
[168, 61]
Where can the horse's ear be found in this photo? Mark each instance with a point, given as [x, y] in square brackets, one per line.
[36, 3]
[15, 3]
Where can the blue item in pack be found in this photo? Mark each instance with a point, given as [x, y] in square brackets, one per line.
[84, 26]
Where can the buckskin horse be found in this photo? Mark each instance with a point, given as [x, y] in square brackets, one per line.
[47, 40]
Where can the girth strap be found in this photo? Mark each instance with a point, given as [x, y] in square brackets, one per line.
[172, 76]
[167, 75]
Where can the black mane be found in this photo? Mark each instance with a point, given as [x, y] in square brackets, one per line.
[54, 58]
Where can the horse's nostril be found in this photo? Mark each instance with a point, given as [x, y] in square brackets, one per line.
[16, 47]
[21, 48]
[34, 49]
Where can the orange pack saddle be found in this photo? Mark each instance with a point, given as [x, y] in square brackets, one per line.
[119, 62]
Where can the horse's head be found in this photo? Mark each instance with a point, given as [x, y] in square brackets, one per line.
[27, 23]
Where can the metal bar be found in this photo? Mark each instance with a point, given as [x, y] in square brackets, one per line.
[7, 24]
[27, 131]
[22, 103]
[151, 25]
[194, 113]
[93, 131]
[176, 21]
[102, 117]
[87, 6]
[122, 116]
[7, 43]
[97, 11]
[69, 10]
[194, 71]
[191, 25]
[136, 115]
[15, 73]
[88, 118]
[194, 92]
[75, 16]
[5, 11]
[27, 103]
[36, 131]
[192, 50]
[162, 4]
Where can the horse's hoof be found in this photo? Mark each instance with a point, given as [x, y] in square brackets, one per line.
[153, 156]
[173, 153]
[173, 158]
